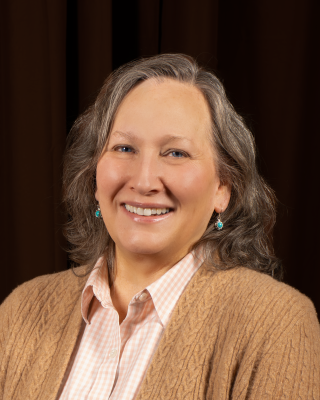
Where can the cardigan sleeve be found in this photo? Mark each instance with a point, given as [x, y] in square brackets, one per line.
[14, 312]
[289, 368]
[34, 323]
[8, 308]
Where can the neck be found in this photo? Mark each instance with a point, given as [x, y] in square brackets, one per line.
[143, 269]
[134, 272]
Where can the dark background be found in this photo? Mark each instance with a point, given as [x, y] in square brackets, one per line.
[54, 57]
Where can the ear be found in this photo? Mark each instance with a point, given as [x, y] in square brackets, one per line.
[223, 197]
[96, 195]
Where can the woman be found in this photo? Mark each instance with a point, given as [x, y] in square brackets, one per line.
[171, 225]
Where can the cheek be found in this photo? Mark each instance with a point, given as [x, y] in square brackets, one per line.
[195, 187]
[110, 178]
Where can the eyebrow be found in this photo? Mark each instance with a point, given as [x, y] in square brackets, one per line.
[127, 135]
[167, 138]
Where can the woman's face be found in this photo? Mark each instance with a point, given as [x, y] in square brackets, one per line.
[157, 182]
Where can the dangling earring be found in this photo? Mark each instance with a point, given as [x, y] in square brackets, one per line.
[219, 224]
[98, 212]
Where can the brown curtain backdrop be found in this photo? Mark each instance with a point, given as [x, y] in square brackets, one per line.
[33, 130]
[56, 54]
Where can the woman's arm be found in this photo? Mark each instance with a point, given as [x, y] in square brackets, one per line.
[39, 324]
[8, 309]
[290, 369]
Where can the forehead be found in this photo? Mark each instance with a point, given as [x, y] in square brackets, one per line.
[166, 106]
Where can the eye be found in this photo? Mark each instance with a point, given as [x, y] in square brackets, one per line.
[123, 149]
[177, 154]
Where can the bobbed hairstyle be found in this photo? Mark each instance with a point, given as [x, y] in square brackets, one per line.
[246, 238]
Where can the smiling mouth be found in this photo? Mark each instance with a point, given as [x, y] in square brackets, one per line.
[146, 211]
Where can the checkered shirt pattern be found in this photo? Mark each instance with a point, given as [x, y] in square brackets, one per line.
[110, 360]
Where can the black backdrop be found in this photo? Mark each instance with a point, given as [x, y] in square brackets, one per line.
[55, 55]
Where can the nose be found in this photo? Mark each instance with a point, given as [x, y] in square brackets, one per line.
[145, 175]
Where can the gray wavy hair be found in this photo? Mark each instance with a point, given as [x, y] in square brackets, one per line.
[246, 239]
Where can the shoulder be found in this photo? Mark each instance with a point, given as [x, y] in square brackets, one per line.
[267, 290]
[43, 291]
[258, 300]
[253, 286]
[34, 319]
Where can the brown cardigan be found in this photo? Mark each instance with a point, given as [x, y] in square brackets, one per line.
[237, 334]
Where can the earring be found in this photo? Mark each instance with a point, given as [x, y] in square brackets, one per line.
[219, 224]
[98, 212]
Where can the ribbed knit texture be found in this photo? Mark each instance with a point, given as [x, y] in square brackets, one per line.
[237, 334]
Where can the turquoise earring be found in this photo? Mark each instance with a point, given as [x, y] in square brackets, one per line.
[219, 224]
[98, 212]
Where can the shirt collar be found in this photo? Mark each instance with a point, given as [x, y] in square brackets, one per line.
[164, 292]
[97, 285]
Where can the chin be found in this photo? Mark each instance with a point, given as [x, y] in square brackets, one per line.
[143, 247]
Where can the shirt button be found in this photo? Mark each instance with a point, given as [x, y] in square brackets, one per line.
[113, 353]
[143, 296]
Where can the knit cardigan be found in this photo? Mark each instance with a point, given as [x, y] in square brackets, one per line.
[235, 334]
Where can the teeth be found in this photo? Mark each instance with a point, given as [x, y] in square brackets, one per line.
[146, 211]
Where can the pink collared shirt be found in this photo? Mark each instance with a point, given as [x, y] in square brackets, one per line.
[110, 360]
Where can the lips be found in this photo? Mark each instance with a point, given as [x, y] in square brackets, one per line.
[146, 211]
